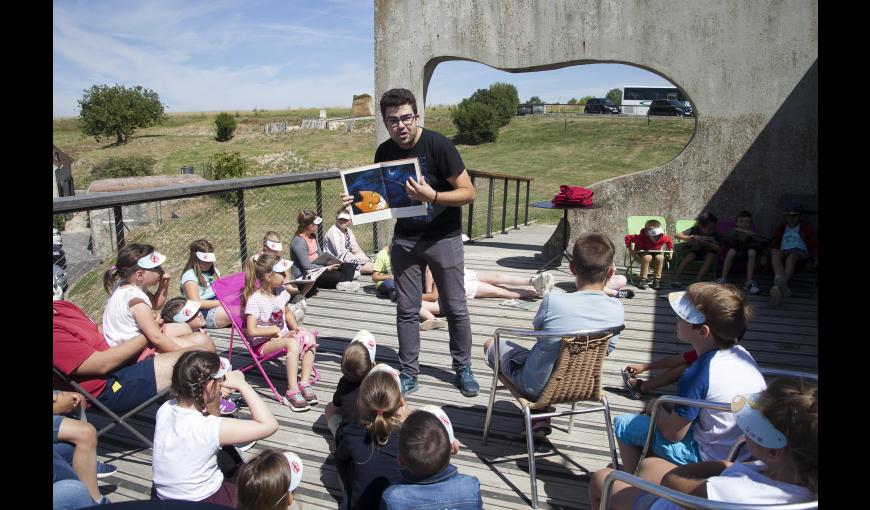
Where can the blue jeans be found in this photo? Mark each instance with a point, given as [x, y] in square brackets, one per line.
[383, 290]
[70, 495]
[446, 260]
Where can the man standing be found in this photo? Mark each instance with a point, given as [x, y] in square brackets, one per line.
[433, 240]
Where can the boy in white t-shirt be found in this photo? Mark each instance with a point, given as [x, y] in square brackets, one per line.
[711, 317]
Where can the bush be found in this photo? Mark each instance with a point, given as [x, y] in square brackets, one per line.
[476, 122]
[58, 221]
[228, 165]
[226, 125]
[502, 97]
[128, 166]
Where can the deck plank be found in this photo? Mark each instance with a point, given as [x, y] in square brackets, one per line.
[784, 337]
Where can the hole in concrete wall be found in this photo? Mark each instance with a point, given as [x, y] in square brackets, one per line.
[557, 142]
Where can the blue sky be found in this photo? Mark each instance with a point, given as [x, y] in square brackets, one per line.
[240, 55]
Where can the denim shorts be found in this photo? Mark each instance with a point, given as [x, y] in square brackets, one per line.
[631, 429]
[644, 501]
[802, 254]
[56, 424]
[129, 387]
[209, 317]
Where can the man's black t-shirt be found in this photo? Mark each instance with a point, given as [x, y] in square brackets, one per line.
[439, 160]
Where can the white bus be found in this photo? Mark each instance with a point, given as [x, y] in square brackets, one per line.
[636, 99]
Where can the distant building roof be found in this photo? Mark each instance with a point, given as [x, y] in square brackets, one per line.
[59, 157]
[144, 182]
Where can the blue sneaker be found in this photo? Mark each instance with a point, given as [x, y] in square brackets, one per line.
[104, 470]
[465, 381]
[409, 384]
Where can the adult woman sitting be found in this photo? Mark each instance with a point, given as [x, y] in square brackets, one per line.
[304, 250]
[340, 241]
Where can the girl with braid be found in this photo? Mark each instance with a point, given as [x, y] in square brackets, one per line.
[366, 456]
[187, 438]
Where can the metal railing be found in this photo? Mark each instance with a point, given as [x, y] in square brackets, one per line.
[233, 215]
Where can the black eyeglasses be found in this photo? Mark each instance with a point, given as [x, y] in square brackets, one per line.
[407, 120]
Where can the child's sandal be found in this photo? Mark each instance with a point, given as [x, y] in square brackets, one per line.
[634, 390]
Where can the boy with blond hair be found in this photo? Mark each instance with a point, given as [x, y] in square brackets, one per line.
[711, 317]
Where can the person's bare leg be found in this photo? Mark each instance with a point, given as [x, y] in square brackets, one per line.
[687, 259]
[368, 268]
[221, 319]
[669, 376]
[307, 364]
[496, 278]
[726, 264]
[644, 265]
[84, 462]
[428, 309]
[659, 266]
[291, 359]
[654, 469]
[776, 262]
[709, 260]
[630, 456]
[623, 495]
[487, 290]
[790, 263]
[751, 255]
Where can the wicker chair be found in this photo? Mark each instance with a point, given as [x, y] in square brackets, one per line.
[576, 377]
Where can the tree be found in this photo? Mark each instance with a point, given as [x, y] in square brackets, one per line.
[508, 100]
[573, 100]
[118, 111]
[476, 122]
[226, 125]
[584, 99]
[615, 95]
[535, 100]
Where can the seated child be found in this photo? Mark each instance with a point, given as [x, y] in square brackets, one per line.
[651, 238]
[781, 429]
[701, 241]
[272, 244]
[739, 241]
[129, 310]
[196, 279]
[429, 480]
[366, 457]
[588, 308]
[794, 240]
[186, 440]
[382, 274]
[269, 480]
[356, 362]
[340, 241]
[615, 287]
[183, 311]
[711, 317]
[271, 328]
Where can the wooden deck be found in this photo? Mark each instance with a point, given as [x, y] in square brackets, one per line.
[785, 337]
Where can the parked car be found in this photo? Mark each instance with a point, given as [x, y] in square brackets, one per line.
[600, 105]
[58, 257]
[670, 107]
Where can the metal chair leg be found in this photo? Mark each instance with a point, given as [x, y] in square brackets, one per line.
[489, 407]
[530, 445]
[571, 420]
[608, 426]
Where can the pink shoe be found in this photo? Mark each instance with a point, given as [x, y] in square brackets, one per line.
[308, 394]
[296, 401]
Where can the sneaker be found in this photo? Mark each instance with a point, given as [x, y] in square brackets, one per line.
[541, 428]
[103, 501]
[751, 287]
[775, 296]
[428, 324]
[465, 381]
[356, 274]
[641, 284]
[308, 394]
[295, 401]
[409, 384]
[657, 283]
[440, 322]
[625, 293]
[104, 470]
[393, 295]
[300, 316]
[243, 447]
[543, 283]
[779, 282]
[227, 407]
[347, 286]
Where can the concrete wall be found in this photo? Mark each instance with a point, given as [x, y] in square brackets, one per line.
[748, 67]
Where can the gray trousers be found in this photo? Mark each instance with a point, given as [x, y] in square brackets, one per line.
[446, 260]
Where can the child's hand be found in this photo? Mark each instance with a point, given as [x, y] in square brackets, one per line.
[454, 447]
[635, 369]
[164, 280]
[235, 380]
[333, 267]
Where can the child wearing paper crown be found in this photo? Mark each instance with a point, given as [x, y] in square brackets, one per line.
[428, 479]
[196, 279]
[187, 439]
[711, 317]
[271, 326]
[130, 308]
[269, 480]
[366, 457]
[651, 238]
[356, 362]
[272, 244]
[781, 426]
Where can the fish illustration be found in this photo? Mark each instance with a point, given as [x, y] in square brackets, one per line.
[371, 201]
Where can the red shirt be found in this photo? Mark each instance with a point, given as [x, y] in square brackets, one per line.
[642, 242]
[75, 339]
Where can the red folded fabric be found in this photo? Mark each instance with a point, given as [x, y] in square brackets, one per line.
[573, 196]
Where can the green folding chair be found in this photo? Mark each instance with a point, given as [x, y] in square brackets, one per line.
[683, 225]
[635, 225]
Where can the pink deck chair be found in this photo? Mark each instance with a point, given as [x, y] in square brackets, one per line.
[228, 290]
